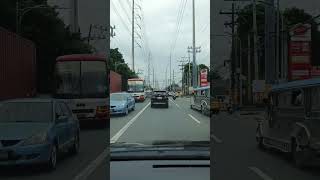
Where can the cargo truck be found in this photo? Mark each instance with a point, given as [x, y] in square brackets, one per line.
[17, 66]
[115, 82]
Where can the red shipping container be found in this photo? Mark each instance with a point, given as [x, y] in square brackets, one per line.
[115, 82]
[17, 66]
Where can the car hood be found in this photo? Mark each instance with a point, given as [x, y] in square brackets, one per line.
[117, 103]
[14, 131]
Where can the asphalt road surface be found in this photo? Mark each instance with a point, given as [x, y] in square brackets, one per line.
[146, 124]
[92, 145]
[236, 155]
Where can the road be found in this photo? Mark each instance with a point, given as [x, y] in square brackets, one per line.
[147, 124]
[93, 143]
[237, 152]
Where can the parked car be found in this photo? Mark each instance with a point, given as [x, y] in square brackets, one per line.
[121, 103]
[35, 131]
[160, 98]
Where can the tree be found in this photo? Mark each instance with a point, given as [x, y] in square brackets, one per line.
[116, 59]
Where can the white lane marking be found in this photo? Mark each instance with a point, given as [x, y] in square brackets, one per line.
[84, 174]
[195, 119]
[260, 173]
[215, 138]
[124, 128]
[175, 103]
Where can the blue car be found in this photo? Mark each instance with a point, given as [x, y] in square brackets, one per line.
[121, 103]
[34, 131]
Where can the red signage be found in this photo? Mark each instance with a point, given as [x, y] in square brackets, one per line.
[300, 52]
[203, 77]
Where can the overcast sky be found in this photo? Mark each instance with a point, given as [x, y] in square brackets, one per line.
[222, 45]
[160, 19]
[90, 12]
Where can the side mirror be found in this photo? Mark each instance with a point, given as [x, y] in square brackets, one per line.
[61, 119]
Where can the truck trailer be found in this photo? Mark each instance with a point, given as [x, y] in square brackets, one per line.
[17, 66]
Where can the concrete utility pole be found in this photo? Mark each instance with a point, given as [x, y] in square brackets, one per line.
[189, 73]
[233, 89]
[74, 20]
[132, 45]
[270, 67]
[278, 70]
[194, 66]
[112, 33]
[194, 72]
[149, 69]
[249, 69]
[182, 71]
[170, 72]
[255, 40]
[173, 81]
[153, 78]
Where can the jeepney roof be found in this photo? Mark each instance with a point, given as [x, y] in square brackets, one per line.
[296, 84]
[202, 88]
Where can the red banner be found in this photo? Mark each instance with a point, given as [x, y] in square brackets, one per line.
[203, 77]
[300, 52]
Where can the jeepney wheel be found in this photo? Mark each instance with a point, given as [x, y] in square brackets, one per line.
[203, 110]
[298, 157]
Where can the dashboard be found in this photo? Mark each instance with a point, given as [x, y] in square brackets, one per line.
[160, 170]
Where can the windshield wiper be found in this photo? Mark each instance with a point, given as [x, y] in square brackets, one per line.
[181, 143]
[24, 121]
[126, 144]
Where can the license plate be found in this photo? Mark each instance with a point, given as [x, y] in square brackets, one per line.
[3, 155]
[82, 115]
[159, 98]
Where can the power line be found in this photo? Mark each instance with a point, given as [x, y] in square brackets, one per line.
[124, 10]
[179, 20]
[120, 17]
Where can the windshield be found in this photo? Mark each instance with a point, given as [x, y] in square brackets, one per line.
[118, 97]
[83, 79]
[159, 118]
[26, 112]
[135, 86]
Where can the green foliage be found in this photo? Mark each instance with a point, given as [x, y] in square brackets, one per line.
[117, 63]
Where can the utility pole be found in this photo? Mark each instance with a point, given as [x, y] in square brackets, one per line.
[195, 72]
[170, 74]
[194, 66]
[182, 72]
[112, 33]
[278, 70]
[255, 40]
[249, 69]
[132, 48]
[173, 81]
[153, 79]
[233, 89]
[149, 69]
[74, 16]
[189, 73]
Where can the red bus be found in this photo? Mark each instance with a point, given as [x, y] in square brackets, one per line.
[82, 82]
